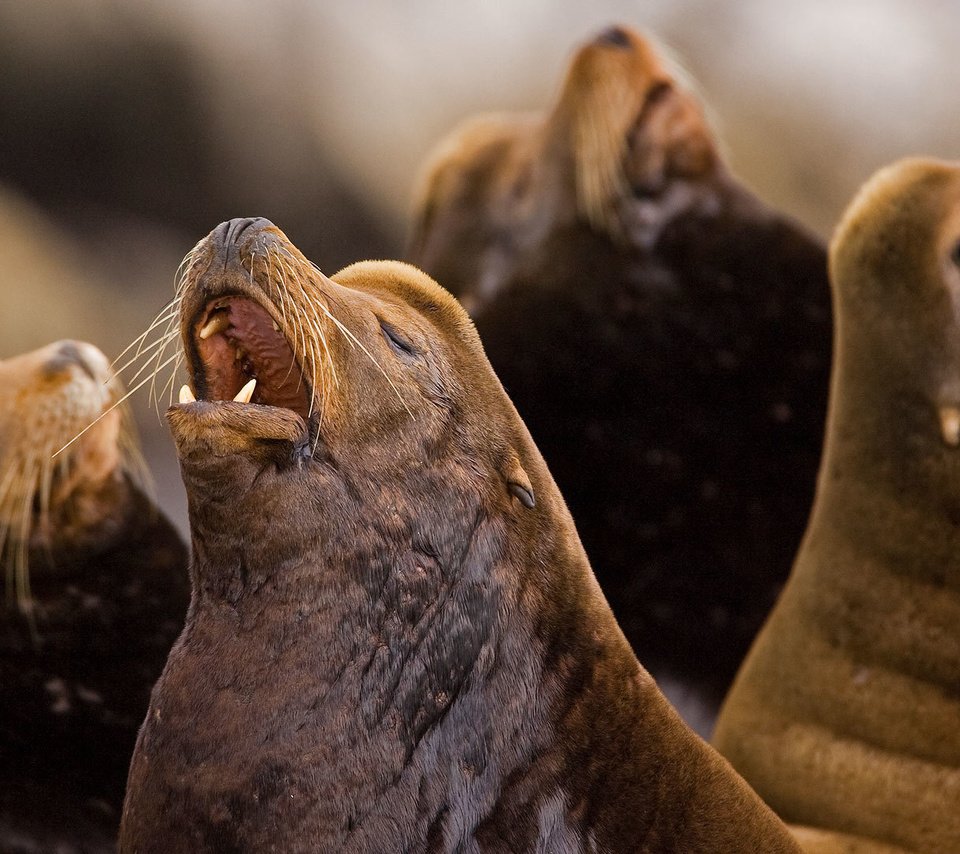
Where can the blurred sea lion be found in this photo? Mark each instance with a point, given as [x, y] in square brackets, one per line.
[846, 714]
[96, 592]
[665, 335]
[395, 641]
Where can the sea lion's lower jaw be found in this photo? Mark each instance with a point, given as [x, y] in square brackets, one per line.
[227, 428]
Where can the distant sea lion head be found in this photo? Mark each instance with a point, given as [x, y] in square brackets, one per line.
[95, 595]
[620, 151]
[53, 505]
[631, 124]
[895, 265]
[373, 403]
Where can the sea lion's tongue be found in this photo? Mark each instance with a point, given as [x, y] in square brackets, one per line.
[237, 340]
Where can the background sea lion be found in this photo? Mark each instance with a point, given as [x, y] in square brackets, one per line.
[846, 714]
[395, 642]
[130, 179]
[664, 334]
[96, 592]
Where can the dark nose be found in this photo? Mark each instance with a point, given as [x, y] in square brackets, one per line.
[228, 233]
[616, 36]
[67, 354]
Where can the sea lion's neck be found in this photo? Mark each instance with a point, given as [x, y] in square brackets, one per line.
[887, 446]
[394, 648]
[372, 584]
[475, 667]
[884, 526]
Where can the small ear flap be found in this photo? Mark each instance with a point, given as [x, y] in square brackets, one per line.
[525, 494]
[518, 484]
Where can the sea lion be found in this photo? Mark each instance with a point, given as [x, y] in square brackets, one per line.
[664, 334]
[96, 592]
[846, 714]
[395, 641]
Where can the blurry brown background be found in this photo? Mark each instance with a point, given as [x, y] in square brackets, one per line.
[130, 128]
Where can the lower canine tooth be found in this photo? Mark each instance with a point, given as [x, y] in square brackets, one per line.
[186, 395]
[244, 395]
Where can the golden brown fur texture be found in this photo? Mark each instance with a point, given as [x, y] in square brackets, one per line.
[395, 641]
[846, 716]
[53, 502]
[626, 124]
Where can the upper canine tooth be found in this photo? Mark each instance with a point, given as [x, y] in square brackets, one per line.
[244, 395]
[186, 395]
[218, 321]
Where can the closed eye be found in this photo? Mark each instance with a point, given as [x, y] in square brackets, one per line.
[397, 342]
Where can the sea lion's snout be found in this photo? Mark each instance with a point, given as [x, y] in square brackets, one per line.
[616, 36]
[249, 314]
[225, 238]
[78, 354]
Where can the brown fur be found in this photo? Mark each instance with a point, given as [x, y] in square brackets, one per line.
[624, 124]
[846, 716]
[664, 334]
[395, 640]
[96, 592]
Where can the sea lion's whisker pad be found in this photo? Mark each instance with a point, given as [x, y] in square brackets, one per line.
[48, 395]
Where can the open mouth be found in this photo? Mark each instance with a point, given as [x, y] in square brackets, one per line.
[242, 355]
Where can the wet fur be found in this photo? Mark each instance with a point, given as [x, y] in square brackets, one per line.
[386, 648]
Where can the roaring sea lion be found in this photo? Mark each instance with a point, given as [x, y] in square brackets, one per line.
[664, 334]
[395, 641]
[846, 714]
[97, 589]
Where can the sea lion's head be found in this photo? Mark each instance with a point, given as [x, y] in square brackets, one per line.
[324, 413]
[625, 148]
[55, 506]
[895, 267]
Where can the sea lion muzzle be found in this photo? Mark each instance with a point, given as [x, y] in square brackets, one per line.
[246, 380]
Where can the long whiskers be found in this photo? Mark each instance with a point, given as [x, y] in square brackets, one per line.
[168, 311]
[306, 317]
[354, 341]
[120, 402]
[314, 305]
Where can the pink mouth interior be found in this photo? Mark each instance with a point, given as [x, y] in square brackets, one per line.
[248, 346]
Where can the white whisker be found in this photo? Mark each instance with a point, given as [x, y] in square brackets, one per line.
[122, 400]
[140, 353]
[171, 308]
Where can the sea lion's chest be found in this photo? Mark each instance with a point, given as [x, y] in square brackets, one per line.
[258, 743]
